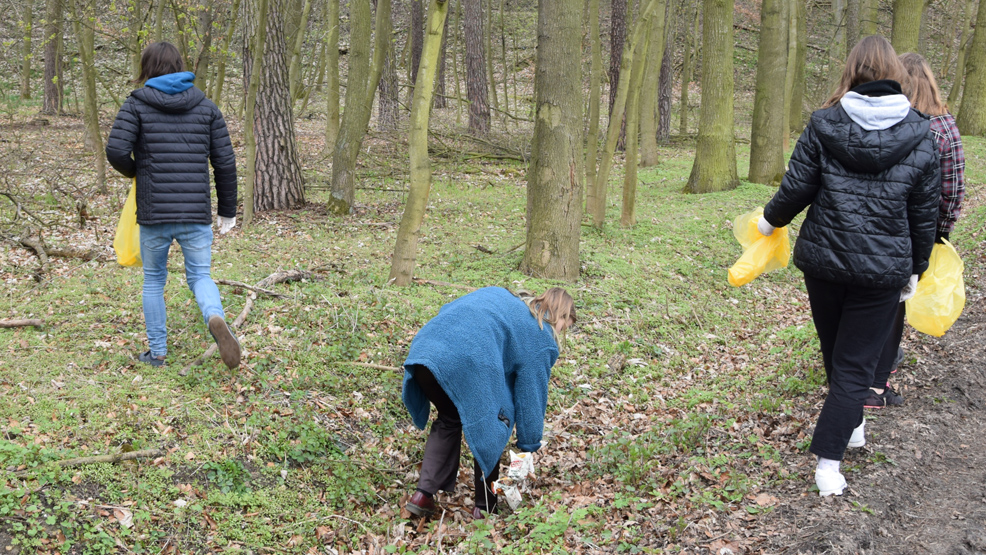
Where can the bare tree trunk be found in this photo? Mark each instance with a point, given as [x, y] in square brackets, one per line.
[854, 12]
[332, 76]
[665, 80]
[628, 215]
[389, 104]
[159, 20]
[691, 51]
[488, 40]
[869, 17]
[53, 84]
[417, 38]
[279, 184]
[477, 89]
[294, 71]
[791, 28]
[617, 38]
[219, 81]
[554, 186]
[204, 58]
[796, 122]
[405, 248]
[595, 90]
[972, 116]
[362, 81]
[766, 138]
[256, 51]
[907, 25]
[648, 116]
[82, 16]
[715, 153]
[134, 42]
[965, 40]
[837, 48]
[27, 23]
[439, 99]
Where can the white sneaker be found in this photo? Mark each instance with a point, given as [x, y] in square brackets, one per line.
[829, 482]
[858, 438]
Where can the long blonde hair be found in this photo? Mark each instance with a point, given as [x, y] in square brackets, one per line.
[554, 306]
[920, 86]
[872, 59]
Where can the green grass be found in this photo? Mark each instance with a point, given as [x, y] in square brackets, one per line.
[301, 449]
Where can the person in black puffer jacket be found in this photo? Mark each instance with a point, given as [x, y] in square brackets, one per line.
[868, 167]
[165, 135]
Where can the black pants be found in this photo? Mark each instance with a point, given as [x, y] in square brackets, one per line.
[440, 466]
[852, 329]
[886, 364]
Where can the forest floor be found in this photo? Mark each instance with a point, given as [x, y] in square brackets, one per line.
[679, 415]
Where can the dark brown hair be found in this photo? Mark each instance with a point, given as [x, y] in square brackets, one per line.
[920, 87]
[872, 59]
[159, 58]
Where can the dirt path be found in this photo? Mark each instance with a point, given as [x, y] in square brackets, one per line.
[919, 484]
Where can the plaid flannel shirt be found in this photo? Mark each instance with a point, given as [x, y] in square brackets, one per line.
[952, 170]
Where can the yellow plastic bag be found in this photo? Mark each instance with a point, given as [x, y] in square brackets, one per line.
[762, 253]
[127, 240]
[940, 297]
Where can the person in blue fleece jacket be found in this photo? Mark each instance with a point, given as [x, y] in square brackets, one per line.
[484, 361]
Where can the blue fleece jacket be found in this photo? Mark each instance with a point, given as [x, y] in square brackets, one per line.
[493, 360]
[172, 83]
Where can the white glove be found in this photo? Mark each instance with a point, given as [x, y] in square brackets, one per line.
[910, 289]
[765, 228]
[226, 224]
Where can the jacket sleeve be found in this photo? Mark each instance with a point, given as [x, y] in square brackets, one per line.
[952, 160]
[531, 402]
[123, 137]
[922, 211]
[223, 166]
[800, 184]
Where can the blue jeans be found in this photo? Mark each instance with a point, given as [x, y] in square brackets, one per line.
[196, 244]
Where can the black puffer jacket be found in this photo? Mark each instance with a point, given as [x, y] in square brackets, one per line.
[874, 199]
[173, 137]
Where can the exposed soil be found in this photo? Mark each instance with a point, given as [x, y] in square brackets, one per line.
[919, 484]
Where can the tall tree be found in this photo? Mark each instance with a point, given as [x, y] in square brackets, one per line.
[83, 21]
[853, 15]
[595, 92]
[204, 19]
[405, 248]
[440, 100]
[361, 82]
[665, 79]
[224, 54]
[691, 51]
[972, 114]
[617, 37]
[766, 136]
[869, 23]
[417, 37]
[907, 25]
[332, 75]
[796, 52]
[53, 84]
[628, 214]
[279, 183]
[715, 153]
[27, 24]
[388, 108]
[256, 48]
[554, 178]
[297, 43]
[965, 41]
[651, 79]
[477, 89]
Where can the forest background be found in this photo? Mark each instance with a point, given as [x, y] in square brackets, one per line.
[387, 168]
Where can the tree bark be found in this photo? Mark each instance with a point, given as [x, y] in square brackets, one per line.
[965, 41]
[972, 116]
[715, 153]
[854, 12]
[388, 107]
[628, 215]
[595, 95]
[439, 99]
[405, 248]
[294, 71]
[28, 29]
[907, 25]
[220, 80]
[332, 76]
[766, 136]
[477, 89]
[417, 38]
[204, 57]
[665, 80]
[651, 80]
[617, 39]
[256, 51]
[83, 14]
[554, 178]
[279, 184]
[796, 120]
[869, 23]
[52, 102]
[362, 81]
[691, 51]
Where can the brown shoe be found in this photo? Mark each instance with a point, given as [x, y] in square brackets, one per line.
[479, 513]
[421, 505]
[229, 347]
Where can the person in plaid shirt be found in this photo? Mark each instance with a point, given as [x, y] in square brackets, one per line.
[922, 90]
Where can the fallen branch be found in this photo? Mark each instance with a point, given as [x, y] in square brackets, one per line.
[21, 323]
[114, 458]
[367, 365]
[212, 349]
[38, 248]
[283, 277]
[420, 281]
[70, 252]
[253, 288]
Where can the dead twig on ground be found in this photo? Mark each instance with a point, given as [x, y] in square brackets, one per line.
[420, 281]
[21, 323]
[367, 365]
[253, 288]
[214, 347]
[113, 458]
[284, 277]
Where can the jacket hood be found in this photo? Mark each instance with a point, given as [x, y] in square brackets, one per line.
[872, 128]
[173, 93]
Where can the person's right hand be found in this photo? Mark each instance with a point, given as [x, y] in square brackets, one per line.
[764, 227]
[910, 289]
